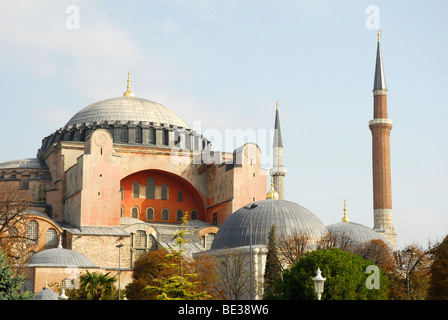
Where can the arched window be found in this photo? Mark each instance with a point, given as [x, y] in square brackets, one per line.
[124, 134]
[150, 188]
[52, 238]
[32, 232]
[122, 192]
[187, 141]
[138, 135]
[179, 215]
[121, 212]
[135, 190]
[180, 195]
[194, 214]
[150, 214]
[67, 283]
[164, 191]
[152, 245]
[165, 214]
[152, 135]
[134, 212]
[207, 240]
[140, 239]
[165, 137]
[27, 286]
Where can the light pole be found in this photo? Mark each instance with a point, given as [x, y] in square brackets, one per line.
[253, 206]
[119, 269]
[319, 284]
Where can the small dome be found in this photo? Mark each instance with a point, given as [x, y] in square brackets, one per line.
[127, 109]
[46, 294]
[350, 231]
[355, 232]
[288, 217]
[60, 257]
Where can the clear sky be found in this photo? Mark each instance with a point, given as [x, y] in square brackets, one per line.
[222, 64]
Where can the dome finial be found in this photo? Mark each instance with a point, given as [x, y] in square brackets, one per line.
[345, 218]
[276, 104]
[379, 35]
[272, 194]
[128, 92]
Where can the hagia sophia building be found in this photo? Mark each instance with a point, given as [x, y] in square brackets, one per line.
[115, 181]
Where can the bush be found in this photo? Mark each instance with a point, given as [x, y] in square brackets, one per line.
[345, 275]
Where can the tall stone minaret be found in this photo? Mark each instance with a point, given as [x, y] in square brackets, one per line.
[278, 172]
[380, 127]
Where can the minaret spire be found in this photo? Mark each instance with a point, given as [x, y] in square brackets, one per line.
[278, 172]
[380, 127]
[380, 80]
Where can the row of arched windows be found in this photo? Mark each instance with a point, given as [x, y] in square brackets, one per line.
[124, 135]
[164, 214]
[151, 191]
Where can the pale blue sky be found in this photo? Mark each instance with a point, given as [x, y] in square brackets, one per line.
[225, 63]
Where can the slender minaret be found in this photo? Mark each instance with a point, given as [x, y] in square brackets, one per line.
[380, 127]
[278, 172]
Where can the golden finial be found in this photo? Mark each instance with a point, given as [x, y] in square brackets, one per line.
[378, 35]
[128, 92]
[345, 219]
[272, 194]
[276, 104]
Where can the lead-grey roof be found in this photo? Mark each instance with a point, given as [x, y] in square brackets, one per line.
[380, 79]
[288, 217]
[28, 163]
[127, 109]
[95, 230]
[46, 294]
[355, 232]
[60, 257]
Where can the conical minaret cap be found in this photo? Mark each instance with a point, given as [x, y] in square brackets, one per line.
[379, 82]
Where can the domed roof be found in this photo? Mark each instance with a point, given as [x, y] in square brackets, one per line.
[46, 294]
[28, 163]
[350, 231]
[288, 217]
[127, 109]
[355, 232]
[60, 257]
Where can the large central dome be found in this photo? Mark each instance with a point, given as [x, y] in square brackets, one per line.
[127, 109]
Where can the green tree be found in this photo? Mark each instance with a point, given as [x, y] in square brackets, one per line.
[273, 269]
[438, 287]
[95, 286]
[177, 286]
[10, 282]
[345, 273]
[146, 270]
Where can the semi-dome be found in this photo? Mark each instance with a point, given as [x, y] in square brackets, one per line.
[288, 217]
[127, 109]
[60, 257]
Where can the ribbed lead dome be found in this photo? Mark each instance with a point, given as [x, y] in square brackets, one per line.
[127, 109]
[288, 217]
[60, 257]
[355, 232]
